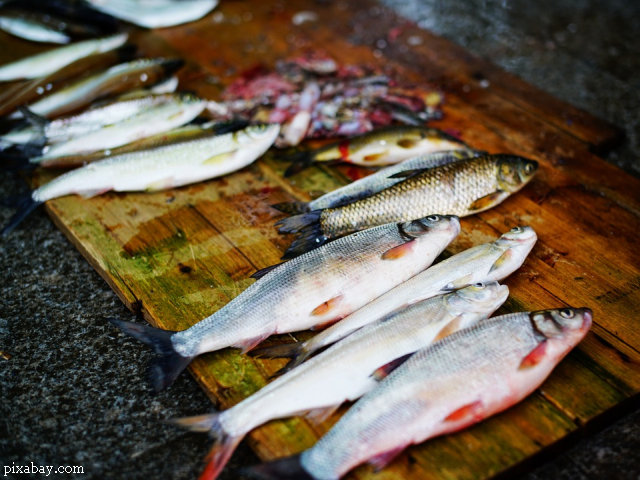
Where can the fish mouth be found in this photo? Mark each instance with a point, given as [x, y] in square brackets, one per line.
[587, 319]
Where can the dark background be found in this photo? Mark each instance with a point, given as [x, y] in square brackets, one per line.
[74, 392]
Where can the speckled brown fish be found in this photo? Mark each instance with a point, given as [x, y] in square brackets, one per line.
[461, 188]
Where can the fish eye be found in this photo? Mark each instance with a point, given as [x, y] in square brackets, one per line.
[528, 168]
[433, 218]
[516, 230]
[566, 313]
[479, 285]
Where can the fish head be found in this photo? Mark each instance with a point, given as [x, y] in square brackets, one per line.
[448, 225]
[257, 135]
[568, 324]
[516, 245]
[478, 299]
[514, 172]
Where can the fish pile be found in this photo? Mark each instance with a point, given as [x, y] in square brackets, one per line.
[405, 336]
[314, 97]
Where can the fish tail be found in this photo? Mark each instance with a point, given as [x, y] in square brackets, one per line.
[309, 230]
[38, 122]
[296, 351]
[288, 468]
[292, 208]
[299, 162]
[224, 444]
[25, 205]
[163, 370]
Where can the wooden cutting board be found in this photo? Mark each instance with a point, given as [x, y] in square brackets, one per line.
[177, 256]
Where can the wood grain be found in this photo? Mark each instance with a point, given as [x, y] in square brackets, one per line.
[178, 256]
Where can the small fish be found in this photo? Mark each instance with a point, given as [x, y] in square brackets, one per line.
[31, 28]
[174, 112]
[310, 291]
[384, 146]
[155, 13]
[460, 188]
[43, 131]
[457, 382]
[489, 262]
[376, 182]
[34, 89]
[349, 369]
[158, 169]
[119, 78]
[48, 62]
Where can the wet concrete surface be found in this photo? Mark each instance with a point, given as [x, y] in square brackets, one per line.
[74, 391]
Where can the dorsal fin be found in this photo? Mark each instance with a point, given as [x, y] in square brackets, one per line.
[261, 273]
[385, 370]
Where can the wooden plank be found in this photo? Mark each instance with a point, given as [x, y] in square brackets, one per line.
[180, 255]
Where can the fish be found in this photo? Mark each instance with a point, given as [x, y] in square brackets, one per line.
[460, 188]
[488, 262]
[48, 62]
[187, 132]
[155, 13]
[347, 370]
[116, 79]
[31, 28]
[456, 382]
[311, 291]
[154, 170]
[63, 129]
[384, 146]
[376, 182]
[175, 111]
[33, 89]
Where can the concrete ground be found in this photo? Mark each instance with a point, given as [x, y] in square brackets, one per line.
[74, 392]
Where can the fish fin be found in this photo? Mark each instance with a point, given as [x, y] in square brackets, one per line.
[25, 205]
[458, 283]
[324, 325]
[534, 357]
[408, 173]
[399, 251]
[264, 271]
[218, 158]
[319, 415]
[292, 208]
[299, 162]
[162, 370]
[296, 361]
[284, 350]
[467, 412]
[375, 156]
[307, 225]
[385, 370]
[451, 327]
[327, 306]
[506, 256]
[250, 343]
[37, 121]
[288, 468]
[93, 193]
[383, 459]
[224, 444]
[487, 201]
[407, 143]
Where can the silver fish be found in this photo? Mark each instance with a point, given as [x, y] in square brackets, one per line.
[48, 62]
[309, 291]
[461, 380]
[30, 29]
[118, 78]
[155, 13]
[345, 371]
[376, 182]
[488, 262]
[156, 169]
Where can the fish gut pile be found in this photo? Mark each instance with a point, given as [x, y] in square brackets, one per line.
[314, 97]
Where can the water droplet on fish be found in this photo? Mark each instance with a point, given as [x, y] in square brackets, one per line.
[218, 17]
[144, 77]
[484, 83]
[39, 90]
[107, 152]
[48, 86]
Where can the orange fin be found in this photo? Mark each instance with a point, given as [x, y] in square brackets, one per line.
[487, 201]
[327, 306]
[374, 156]
[321, 326]
[399, 251]
[451, 327]
[251, 343]
[407, 143]
[506, 256]
[534, 357]
[472, 410]
[383, 459]
[319, 415]
[385, 370]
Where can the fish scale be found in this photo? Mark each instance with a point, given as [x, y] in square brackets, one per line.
[458, 381]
